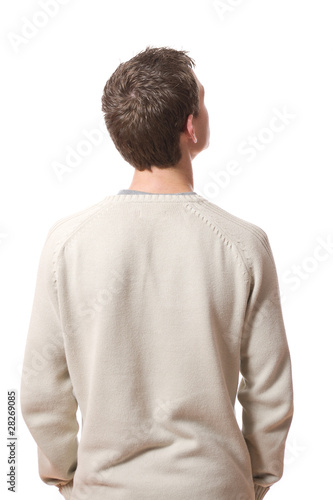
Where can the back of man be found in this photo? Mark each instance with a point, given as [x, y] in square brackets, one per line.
[147, 306]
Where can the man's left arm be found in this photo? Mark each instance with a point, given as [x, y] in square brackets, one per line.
[48, 404]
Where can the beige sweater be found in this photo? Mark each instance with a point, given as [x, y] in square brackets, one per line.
[148, 311]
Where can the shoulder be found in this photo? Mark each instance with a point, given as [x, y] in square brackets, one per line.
[62, 229]
[250, 239]
[60, 233]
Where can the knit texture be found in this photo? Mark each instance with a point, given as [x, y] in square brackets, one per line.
[152, 313]
[66, 490]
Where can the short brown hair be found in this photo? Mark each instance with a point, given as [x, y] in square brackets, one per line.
[146, 103]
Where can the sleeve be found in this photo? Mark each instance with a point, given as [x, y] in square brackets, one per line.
[266, 387]
[48, 404]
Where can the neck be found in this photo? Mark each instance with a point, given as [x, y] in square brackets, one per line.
[174, 179]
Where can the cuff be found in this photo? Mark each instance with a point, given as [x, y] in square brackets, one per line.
[66, 489]
[260, 491]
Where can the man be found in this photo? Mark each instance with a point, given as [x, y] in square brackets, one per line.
[148, 306]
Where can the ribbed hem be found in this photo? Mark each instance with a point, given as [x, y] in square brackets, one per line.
[66, 490]
[260, 491]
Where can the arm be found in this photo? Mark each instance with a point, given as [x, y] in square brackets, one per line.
[266, 390]
[47, 401]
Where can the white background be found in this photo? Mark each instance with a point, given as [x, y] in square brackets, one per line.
[253, 57]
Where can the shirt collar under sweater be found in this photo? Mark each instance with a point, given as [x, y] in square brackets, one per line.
[132, 191]
[132, 195]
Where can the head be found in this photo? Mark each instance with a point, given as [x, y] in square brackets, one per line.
[153, 105]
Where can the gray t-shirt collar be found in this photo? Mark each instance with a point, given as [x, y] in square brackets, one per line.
[131, 191]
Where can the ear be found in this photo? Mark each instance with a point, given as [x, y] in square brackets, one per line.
[189, 129]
